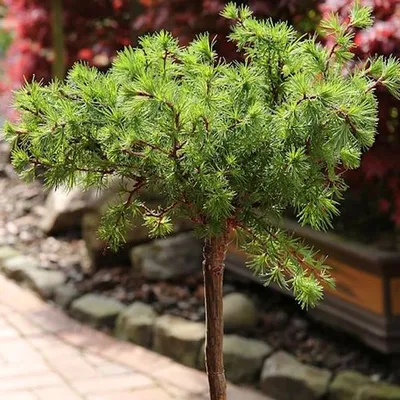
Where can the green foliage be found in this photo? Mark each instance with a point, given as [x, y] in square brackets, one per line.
[116, 221]
[361, 17]
[229, 146]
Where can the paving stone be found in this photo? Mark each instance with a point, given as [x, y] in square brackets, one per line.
[136, 324]
[20, 369]
[182, 379]
[168, 258]
[179, 339]
[8, 332]
[153, 393]
[72, 361]
[21, 396]
[283, 377]
[112, 383]
[240, 312]
[96, 310]
[60, 393]
[29, 382]
[52, 320]
[345, 385]
[23, 325]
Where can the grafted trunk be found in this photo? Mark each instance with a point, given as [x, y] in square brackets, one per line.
[213, 271]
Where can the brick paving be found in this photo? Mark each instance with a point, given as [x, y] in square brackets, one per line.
[45, 355]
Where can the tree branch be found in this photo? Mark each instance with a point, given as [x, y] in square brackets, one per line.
[151, 96]
[37, 113]
[349, 27]
[80, 169]
[348, 120]
[206, 125]
[139, 184]
[374, 84]
[160, 213]
[306, 98]
[293, 252]
[152, 146]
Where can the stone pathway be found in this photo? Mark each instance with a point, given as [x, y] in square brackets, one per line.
[45, 355]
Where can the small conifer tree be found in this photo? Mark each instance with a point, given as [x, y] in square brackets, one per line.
[230, 146]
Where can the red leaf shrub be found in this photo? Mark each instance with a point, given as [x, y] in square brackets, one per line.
[95, 30]
[187, 18]
[373, 202]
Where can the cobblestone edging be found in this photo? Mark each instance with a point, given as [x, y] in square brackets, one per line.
[46, 355]
[278, 374]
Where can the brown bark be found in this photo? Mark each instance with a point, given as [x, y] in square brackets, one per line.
[213, 272]
[135, 10]
[58, 39]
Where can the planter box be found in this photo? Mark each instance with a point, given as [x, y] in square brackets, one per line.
[366, 301]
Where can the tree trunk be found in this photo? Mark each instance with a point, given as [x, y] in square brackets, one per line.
[135, 10]
[58, 39]
[213, 271]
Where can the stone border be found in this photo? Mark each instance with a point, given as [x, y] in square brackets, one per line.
[278, 374]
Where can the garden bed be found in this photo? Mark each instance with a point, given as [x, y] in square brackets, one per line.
[366, 300]
[268, 339]
[280, 322]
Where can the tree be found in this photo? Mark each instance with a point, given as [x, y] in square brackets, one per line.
[230, 146]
